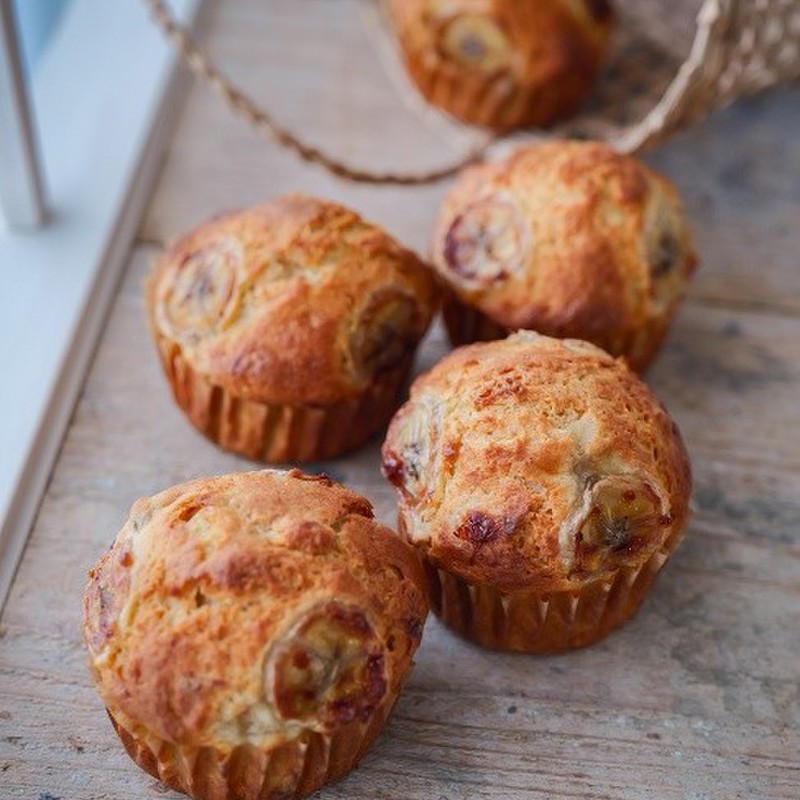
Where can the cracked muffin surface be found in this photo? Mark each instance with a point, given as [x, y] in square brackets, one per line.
[534, 467]
[503, 63]
[286, 329]
[256, 611]
[569, 239]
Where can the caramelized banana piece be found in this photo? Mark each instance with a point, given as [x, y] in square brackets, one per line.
[621, 513]
[106, 594]
[384, 334]
[487, 242]
[203, 295]
[476, 41]
[329, 668]
[664, 253]
[412, 458]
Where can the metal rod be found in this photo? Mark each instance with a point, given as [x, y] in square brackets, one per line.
[21, 190]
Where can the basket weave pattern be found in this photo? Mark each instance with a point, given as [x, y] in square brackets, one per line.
[741, 47]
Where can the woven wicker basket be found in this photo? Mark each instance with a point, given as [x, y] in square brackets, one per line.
[674, 62]
[739, 47]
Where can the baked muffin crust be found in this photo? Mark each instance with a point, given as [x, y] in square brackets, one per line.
[250, 610]
[536, 464]
[297, 301]
[570, 239]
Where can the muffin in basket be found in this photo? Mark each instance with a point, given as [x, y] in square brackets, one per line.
[544, 485]
[250, 633]
[286, 330]
[503, 63]
[569, 239]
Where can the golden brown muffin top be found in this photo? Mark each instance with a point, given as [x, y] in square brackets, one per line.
[536, 463]
[247, 608]
[297, 301]
[527, 43]
[568, 238]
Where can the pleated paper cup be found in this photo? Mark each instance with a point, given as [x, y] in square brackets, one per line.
[292, 769]
[276, 433]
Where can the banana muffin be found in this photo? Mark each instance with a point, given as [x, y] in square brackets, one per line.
[249, 634]
[569, 239]
[286, 330]
[544, 485]
[503, 63]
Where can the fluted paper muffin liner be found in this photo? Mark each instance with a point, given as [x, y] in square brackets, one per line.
[532, 622]
[280, 433]
[466, 324]
[293, 769]
[492, 100]
[486, 101]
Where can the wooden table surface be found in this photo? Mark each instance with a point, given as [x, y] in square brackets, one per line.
[697, 698]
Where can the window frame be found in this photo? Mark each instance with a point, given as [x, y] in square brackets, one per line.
[101, 150]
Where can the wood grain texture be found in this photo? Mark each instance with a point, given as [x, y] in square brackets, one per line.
[698, 698]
